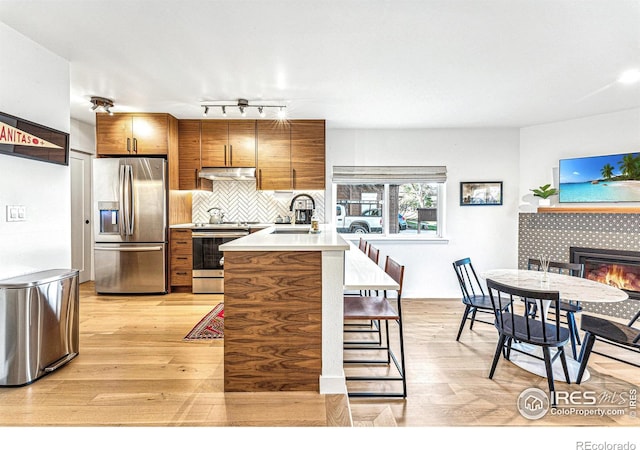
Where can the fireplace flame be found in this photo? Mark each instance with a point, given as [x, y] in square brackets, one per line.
[617, 276]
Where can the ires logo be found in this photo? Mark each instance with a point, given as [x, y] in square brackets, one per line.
[587, 398]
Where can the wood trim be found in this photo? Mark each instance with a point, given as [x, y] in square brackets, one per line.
[596, 210]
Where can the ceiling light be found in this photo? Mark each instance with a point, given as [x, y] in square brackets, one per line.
[103, 103]
[206, 111]
[243, 107]
[629, 76]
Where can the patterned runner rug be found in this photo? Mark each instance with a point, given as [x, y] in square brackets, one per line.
[211, 326]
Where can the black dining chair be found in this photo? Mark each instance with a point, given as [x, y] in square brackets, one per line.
[567, 308]
[383, 309]
[515, 324]
[610, 332]
[473, 295]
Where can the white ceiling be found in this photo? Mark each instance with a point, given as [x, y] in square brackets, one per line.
[362, 64]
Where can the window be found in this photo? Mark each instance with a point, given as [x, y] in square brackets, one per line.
[391, 201]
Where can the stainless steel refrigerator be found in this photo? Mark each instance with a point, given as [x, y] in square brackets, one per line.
[130, 225]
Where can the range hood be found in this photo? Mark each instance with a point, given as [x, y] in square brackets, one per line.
[228, 173]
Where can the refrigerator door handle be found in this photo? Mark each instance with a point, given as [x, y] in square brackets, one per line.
[123, 215]
[130, 249]
[130, 199]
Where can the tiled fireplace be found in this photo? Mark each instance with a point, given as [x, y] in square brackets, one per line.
[611, 239]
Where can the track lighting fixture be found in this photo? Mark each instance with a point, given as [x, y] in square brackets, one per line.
[243, 106]
[103, 103]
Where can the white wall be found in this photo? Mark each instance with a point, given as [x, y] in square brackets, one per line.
[542, 146]
[487, 234]
[35, 87]
[83, 137]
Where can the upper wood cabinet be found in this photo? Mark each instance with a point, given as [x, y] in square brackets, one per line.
[133, 134]
[307, 154]
[228, 143]
[274, 155]
[291, 155]
[189, 153]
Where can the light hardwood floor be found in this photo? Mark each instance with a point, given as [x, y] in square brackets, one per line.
[134, 369]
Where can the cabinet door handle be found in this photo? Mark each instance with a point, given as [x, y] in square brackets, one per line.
[181, 273]
[225, 155]
[128, 145]
[181, 257]
[231, 155]
[260, 178]
[135, 145]
[293, 178]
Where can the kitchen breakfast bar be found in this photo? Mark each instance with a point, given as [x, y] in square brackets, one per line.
[283, 306]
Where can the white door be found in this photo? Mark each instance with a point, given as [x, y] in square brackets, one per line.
[81, 240]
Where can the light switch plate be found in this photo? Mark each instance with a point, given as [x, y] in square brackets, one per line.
[16, 213]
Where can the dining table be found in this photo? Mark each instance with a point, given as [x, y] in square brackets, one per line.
[571, 289]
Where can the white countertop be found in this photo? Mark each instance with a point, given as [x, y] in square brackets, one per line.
[361, 273]
[266, 240]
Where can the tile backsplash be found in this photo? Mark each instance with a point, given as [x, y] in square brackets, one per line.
[239, 200]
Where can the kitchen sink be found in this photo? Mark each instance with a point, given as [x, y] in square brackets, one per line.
[290, 231]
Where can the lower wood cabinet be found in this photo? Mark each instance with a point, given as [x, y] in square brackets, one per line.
[181, 258]
[273, 321]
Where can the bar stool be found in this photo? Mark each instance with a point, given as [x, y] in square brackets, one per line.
[379, 309]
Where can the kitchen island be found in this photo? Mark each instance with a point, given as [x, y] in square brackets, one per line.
[283, 311]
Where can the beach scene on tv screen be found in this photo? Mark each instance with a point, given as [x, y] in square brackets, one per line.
[609, 178]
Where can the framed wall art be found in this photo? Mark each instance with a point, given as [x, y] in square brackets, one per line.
[19, 137]
[605, 178]
[480, 193]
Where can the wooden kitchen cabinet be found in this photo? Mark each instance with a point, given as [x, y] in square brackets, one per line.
[189, 153]
[228, 143]
[180, 259]
[307, 154]
[274, 155]
[134, 134]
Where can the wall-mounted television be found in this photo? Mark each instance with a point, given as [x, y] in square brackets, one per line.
[19, 137]
[607, 178]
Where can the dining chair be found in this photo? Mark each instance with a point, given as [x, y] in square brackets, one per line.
[568, 308]
[473, 295]
[610, 332]
[515, 324]
[386, 310]
[362, 245]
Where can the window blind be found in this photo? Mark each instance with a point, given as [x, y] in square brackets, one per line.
[389, 174]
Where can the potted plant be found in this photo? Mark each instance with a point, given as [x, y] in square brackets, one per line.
[544, 192]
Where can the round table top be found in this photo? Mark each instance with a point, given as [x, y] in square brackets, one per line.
[570, 288]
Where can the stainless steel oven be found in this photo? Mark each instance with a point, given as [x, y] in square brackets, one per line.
[208, 260]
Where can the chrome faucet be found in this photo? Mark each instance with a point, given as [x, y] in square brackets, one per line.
[302, 214]
[293, 200]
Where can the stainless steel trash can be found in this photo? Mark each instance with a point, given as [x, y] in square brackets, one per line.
[38, 324]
